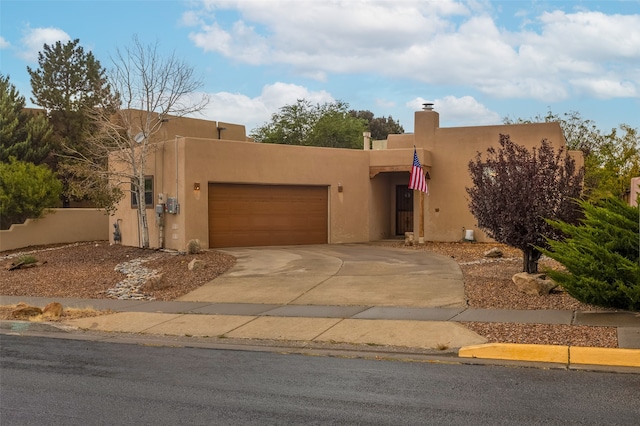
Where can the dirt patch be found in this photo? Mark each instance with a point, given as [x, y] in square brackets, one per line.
[87, 270]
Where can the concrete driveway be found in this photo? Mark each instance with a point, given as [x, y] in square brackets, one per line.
[338, 275]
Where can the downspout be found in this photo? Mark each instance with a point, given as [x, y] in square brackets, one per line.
[160, 214]
[176, 148]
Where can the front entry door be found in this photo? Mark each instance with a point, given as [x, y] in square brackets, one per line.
[404, 209]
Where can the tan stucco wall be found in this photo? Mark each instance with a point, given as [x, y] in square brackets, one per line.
[447, 215]
[188, 127]
[254, 163]
[205, 160]
[58, 226]
[168, 178]
[364, 211]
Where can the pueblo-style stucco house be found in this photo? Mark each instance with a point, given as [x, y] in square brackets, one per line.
[212, 184]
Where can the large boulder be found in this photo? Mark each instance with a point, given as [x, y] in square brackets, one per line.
[155, 282]
[493, 253]
[52, 310]
[196, 264]
[533, 284]
[24, 311]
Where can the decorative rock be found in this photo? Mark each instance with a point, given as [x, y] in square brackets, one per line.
[23, 310]
[155, 282]
[52, 310]
[137, 275]
[533, 284]
[494, 252]
[196, 264]
[408, 239]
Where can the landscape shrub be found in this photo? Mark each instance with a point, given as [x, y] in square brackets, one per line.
[600, 255]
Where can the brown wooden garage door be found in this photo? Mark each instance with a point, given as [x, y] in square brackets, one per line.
[267, 215]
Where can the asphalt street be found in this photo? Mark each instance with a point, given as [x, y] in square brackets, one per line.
[60, 381]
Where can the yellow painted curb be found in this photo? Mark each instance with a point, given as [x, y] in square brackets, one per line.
[604, 356]
[517, 352]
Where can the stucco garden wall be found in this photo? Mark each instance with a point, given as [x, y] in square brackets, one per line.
[58, 226]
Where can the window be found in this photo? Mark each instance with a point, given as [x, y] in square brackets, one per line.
[148, 193]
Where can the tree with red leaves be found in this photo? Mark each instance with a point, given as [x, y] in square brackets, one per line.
[515, 190]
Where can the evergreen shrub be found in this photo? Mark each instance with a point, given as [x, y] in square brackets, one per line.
[600, 255]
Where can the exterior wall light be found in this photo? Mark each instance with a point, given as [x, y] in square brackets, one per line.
[340, 188]
[196, 186]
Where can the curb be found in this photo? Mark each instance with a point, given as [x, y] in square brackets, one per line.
[22, 326]
[569, 355]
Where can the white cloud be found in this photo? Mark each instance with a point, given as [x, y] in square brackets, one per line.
[317, 37]
[190, 19]
[604, 88]
[253, 112]
[463, 111]
[4, 43]
[438, 42]
[35, 38]
[592, 35]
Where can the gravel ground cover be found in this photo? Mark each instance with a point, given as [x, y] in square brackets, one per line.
[86, 270]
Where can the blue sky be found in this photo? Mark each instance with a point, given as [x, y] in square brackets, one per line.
[477, 61]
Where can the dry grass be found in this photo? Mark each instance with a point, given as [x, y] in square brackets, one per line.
[67, 314]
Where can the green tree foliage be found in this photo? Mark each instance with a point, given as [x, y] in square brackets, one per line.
[515, 189]
[303, 123]
[379, 127]
[23, 135]
[69, 84]
[600, 255]
[335, 129]
[614, 164]
[26, 191]
[611, 159]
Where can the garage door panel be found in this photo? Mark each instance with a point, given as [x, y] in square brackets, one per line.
[257, 215]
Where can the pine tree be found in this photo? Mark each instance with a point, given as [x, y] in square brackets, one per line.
[600, 254]
[69, 84]
[23, 135]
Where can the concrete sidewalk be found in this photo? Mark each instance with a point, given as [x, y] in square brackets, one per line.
[425, 328]
[354, 294]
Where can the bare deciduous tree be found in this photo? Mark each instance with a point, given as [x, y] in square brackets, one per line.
[150, 88]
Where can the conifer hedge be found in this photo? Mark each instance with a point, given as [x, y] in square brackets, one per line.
[600, 254]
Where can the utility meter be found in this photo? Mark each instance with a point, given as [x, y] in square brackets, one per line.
[172, 205]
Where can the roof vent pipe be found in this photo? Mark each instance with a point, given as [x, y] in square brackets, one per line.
[427, 106]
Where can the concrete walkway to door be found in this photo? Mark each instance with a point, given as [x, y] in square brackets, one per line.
[336, 275]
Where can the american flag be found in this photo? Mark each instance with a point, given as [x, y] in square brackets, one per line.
[417, 180]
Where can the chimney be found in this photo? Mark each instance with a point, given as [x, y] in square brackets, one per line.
[425, 124]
